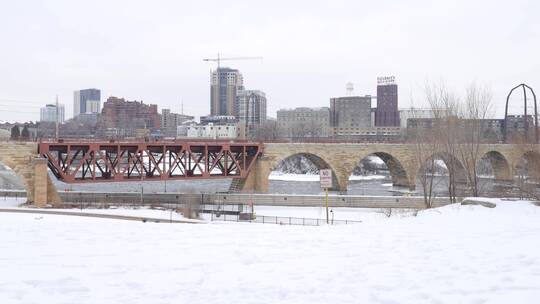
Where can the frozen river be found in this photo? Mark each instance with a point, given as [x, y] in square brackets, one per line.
[279, 183]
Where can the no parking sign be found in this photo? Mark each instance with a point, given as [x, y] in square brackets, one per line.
[326, 178]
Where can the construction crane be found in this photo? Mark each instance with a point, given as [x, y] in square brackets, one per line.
[218, 59]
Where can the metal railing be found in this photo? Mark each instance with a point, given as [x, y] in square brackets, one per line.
[279, 220]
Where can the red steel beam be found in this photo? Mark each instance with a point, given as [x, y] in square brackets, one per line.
[91, 162]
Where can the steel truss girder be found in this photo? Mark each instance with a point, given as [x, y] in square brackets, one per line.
[90, 162]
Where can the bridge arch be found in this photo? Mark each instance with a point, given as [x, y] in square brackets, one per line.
[20, 179]
[529, 164]
[319, 161]
[398, 173]
[23, 159]
[499, 164]
[18, 158]
[450, 161]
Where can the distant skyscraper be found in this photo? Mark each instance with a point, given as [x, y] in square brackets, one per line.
[387, 114]
[86, 101]
[251, 109]
[48, 113]
[224, 85]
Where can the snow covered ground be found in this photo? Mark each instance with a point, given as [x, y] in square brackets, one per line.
[354, 214]
[454, 254]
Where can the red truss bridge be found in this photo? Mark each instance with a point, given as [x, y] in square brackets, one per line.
[79, 161]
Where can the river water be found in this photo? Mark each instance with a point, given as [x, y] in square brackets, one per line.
[374, 187]
[379, 185]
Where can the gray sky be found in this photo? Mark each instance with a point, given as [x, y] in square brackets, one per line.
[153, 50]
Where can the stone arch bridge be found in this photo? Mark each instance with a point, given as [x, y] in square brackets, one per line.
[24, 160]
[401, 159]
[254, 162]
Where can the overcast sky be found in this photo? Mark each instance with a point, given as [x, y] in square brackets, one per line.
[153, 50]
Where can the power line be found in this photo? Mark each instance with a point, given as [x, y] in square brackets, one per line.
[24, 101]
[35, 112]
[20, 106]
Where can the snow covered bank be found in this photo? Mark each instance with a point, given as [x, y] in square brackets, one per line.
[454, 254]
[12, 201]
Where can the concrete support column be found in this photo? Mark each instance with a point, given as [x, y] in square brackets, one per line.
[257, 180]
[412, 182]
[501, 169]
[52, 194]
[402, 181]
[40, 178]
[341, 181]
[411, 168]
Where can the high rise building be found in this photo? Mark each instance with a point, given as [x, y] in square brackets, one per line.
[49, 113]
[387, 114]
[251, 109]
[224, 85]
[86, 101]
[349, 115]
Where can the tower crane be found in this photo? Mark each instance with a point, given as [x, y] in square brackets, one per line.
[218, 59]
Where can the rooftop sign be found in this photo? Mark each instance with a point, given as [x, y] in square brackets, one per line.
[386, 80]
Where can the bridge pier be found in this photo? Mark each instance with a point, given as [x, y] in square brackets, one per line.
[42, 191]
[340, 181]
[257, 179]
[39, 197]
[404, 181]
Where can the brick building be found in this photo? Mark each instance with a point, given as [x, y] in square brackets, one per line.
[303, 122]
[387, 114]
[349, 115]
[123, 118]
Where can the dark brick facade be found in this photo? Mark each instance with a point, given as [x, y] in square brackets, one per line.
[387, 114]
[128, 116]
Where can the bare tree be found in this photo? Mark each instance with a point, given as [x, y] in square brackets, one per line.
[477, 107]
[421, 134]
[267, 131]
[527, 171]
[445, 107]
[425, 147]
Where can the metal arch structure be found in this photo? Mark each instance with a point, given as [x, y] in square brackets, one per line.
[90, 162]
[525, 120]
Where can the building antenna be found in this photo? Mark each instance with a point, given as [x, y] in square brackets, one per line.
[56, 125]
[182, 106]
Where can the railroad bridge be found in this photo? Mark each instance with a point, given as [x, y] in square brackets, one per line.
[248, 164]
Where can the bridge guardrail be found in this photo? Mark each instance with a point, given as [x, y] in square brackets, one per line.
[148, 199]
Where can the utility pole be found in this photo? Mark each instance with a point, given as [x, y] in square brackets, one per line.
[142, 176]
[57, 118]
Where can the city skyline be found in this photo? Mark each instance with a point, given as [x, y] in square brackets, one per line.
[326, 47]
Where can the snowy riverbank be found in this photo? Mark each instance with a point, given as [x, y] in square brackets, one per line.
[454, 254]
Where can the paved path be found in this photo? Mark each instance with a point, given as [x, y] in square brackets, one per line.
[99, 215]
